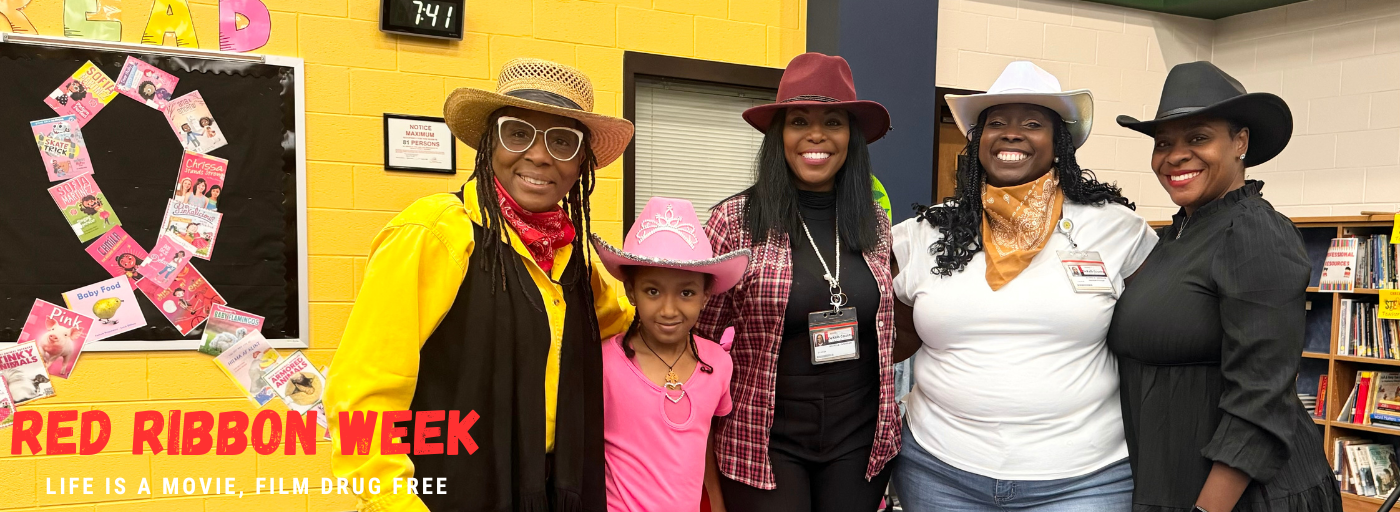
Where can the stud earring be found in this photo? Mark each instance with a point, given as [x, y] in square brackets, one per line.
[1241, 157]
[1057, 159]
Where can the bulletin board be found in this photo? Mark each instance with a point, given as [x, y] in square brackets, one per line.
[260, 261]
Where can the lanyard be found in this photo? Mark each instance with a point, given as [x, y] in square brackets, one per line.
[838, 298]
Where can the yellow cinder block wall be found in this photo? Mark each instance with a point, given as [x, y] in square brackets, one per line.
[354, 73]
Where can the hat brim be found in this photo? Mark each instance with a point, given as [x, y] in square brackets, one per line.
[728, 269]
[467, 109]
[1076, 108]
[874, 119]
[1267, 116]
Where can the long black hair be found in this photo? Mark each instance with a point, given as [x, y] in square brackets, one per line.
[961, 216]
[771, 208]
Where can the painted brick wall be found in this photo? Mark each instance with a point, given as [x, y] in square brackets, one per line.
[353, 74]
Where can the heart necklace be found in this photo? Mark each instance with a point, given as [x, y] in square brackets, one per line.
[672, 381]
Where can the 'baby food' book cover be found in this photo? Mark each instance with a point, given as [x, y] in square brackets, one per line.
[85, 207]
[201, 180]
[117, 252]
[24, 373]
[188, 300]
[189, 117]
[83, 94]
[297, 382]
[247, 363]
[111, 302]
[145, 83]
[62, 147]
[226, 327]
[192, 227]
[165, 261]
[59, 333]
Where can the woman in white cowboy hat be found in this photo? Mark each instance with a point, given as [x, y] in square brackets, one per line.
[1209, 404]
[1015, 401]
[483, 303]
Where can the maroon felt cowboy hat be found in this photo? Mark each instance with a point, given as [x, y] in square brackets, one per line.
[814, 79]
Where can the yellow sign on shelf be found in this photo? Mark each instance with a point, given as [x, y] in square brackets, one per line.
[1395, 230]
[1390, 304]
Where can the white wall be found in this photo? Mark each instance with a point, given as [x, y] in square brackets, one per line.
[1336, 63]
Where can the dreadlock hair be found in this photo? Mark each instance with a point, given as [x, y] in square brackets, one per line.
[575, 203]
[628, 271]
[771, 208]
[961, 217]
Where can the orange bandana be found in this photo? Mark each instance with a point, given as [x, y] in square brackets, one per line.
[1017, 222]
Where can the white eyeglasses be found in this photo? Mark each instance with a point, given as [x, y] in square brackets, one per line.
[517, 136]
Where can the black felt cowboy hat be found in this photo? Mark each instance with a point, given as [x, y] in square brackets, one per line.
[1201, 89]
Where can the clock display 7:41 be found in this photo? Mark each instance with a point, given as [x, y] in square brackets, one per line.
[430, 10]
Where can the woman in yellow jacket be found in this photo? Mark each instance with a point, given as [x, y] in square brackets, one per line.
[485, 301]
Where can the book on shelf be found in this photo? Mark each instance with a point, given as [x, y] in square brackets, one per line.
[1339, 269]
[1362, 332]
[1375, 262]
[1374, 400]
[1363, 467]
[1320, 407]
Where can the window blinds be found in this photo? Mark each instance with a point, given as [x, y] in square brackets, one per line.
[692, 142]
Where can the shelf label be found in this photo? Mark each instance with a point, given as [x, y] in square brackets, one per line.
[1390, 304]
[1395, 230]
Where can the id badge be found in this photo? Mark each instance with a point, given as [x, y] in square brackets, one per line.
[833, 335]
[1086, 271]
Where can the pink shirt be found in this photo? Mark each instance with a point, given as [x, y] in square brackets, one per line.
[654, 448]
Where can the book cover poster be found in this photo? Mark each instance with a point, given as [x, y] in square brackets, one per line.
[165, 261]
[85, 207]
[193, 228]
[7, 408]
[297, 382]
[111, 302]
[62, 148]
[60, 334]
[24, 373]
[145, 83]
[186, 302]
[247, 363]
[226, 327]
[201, 180]
[1339, 269]
[117, 252]
[84, 94]
[189, 117]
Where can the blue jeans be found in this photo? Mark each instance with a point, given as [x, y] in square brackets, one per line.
[926, 484]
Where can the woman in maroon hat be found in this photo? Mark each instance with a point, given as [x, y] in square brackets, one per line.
[813, 426]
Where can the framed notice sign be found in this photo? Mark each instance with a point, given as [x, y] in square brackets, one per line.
[417, 143]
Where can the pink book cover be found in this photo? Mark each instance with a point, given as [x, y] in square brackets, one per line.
[26, 380]
[188, 300]
[7, 408]
[189, 117]
[60, 334]
[145, 83]
[165, 261]
[111, 302]
[85, 207]
[117, 252]
[194, 228]
[82, 95]
[62, 148]
[201, 180]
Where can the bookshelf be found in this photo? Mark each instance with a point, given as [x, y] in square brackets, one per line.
[1320, 348]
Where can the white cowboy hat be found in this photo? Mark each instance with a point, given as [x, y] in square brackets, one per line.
[1025, 82]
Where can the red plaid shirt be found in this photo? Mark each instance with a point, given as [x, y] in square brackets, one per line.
[755, 308]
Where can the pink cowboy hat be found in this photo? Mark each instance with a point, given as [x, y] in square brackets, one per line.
[667, 234]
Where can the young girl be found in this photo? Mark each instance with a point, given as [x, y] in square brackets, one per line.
[662, 386]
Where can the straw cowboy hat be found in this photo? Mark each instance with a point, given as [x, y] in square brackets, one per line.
[667, 235]
[814, 79]
[543, 86]
[1201, 89]
[1024, 82]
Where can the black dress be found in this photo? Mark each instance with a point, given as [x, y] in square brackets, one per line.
[1208, 337]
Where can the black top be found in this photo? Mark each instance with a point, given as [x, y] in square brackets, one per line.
[1208, 337]
[842, 397]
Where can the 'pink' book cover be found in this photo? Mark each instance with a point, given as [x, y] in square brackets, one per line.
[59, 332]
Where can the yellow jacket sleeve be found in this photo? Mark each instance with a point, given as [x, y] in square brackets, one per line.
[414, 272]
[610, 301]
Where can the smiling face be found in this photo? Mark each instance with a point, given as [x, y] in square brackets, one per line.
[534, 178]
[668, 302]
[1018, 143]
[1197, 160]
[814, 143]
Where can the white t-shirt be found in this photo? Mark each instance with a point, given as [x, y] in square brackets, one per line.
[1018, 384]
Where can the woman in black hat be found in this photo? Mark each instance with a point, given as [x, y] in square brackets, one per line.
[1209, 334]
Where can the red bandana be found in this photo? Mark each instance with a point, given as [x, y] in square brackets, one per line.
[542, 233]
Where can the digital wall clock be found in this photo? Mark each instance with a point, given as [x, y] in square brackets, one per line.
[425, 18]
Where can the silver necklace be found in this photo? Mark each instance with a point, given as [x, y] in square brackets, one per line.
[1183, 227]
[838, 298]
